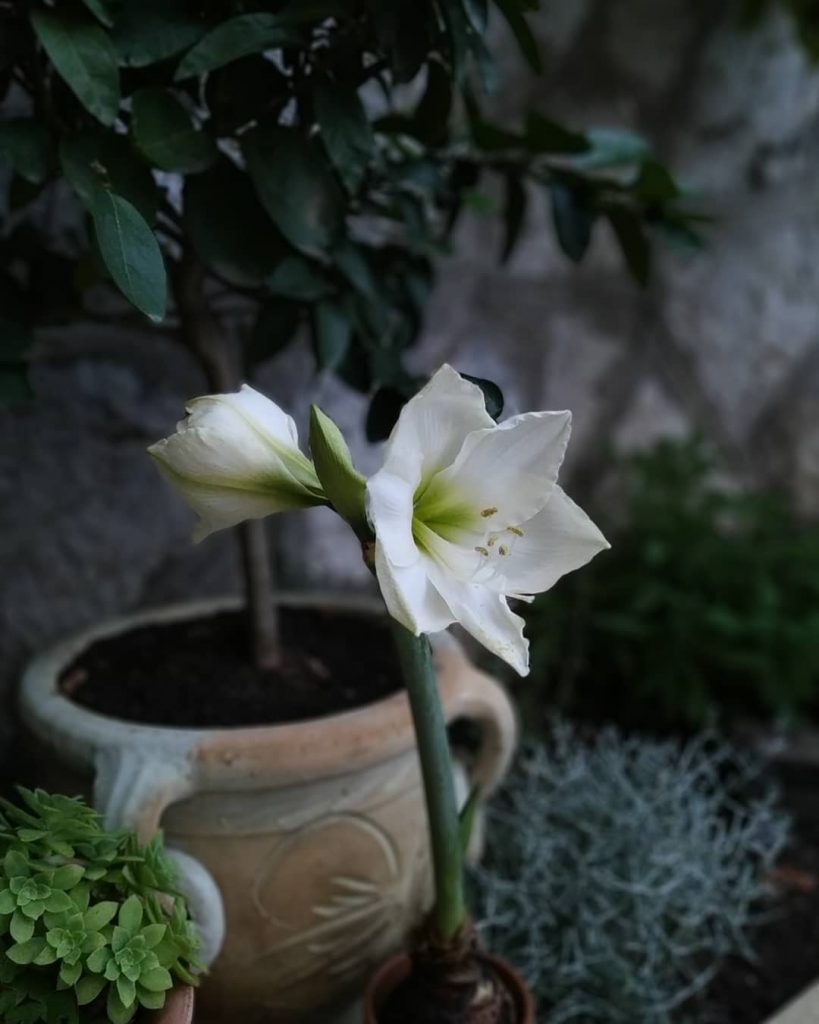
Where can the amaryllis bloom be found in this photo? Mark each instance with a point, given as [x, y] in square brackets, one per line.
[467, 513]
[237, 457]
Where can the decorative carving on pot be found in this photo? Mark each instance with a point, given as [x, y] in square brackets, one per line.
[303, 848]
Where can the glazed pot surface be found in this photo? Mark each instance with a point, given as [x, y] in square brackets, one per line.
[178, 1008]
[397, 969]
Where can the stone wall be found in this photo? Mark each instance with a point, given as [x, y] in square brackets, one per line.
[726, 341]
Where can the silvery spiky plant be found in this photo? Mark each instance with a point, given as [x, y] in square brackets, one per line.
[90, 926]
[619, 871]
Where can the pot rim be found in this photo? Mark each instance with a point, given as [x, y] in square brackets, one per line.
[350, 740]
[394, 970]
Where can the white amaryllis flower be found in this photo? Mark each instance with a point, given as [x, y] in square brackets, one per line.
[467, 513]
[237, 457]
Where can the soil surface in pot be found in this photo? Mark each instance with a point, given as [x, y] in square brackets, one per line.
[197, 673]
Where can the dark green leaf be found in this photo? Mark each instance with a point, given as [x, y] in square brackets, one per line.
[241, 91]
[165, 135]
[228, 226]
[331, 334]
[430, 122]
[573, 220]
[88, 988]
[84, 56]
[458, 32]
[152, 30]
[351, 261]
[345, 130]
[477, 13]
[91, 160]
[514, 213]
[238, 37]
[296, 188]
[383, 413]
[24, 143]
[15, 341]
[297, 279]
[492, 395]
[276, 324]
[655, 183]
[404, 34]
[511, 11]
[633, 241]
[355, 369]
[612, 147]
[104, 10]
[545, 136]
[130, 252]
[486, 135]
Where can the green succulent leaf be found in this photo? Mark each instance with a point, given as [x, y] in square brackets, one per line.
[130, 914]
[21, 927]
[118, 1012]
[100, 915]
[25, 951]
[85, 58]
[88, 988]
[158, 979]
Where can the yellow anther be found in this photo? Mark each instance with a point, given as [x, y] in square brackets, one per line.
[482, 551]
[516, 530]
[491, 541]
[487, 512]
[503, 550]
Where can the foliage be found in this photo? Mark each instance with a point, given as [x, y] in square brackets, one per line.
[313, 158]
[707, 605]
[88, 918]
[620, 871]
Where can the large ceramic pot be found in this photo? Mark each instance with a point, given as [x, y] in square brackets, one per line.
[178, 1008]
[303, 847]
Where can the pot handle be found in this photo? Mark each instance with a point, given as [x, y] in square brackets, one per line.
[475, 696]
[133, 787]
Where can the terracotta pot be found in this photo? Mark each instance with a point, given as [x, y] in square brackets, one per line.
[303, 848]
[395, 970]
[178, 1008]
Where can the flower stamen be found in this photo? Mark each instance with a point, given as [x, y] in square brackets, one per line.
[503, 550]
[482, 551]
[516, 530]
[487, 512]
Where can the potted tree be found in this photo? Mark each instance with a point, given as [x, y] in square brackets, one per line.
[267, 171]
[91, 923]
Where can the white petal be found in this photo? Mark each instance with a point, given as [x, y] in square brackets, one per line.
[511, 468]
[559, 539]
[246, 407]
[220, 505]
[433, 424]
[409, 595]
[389, 507]
[486, 615]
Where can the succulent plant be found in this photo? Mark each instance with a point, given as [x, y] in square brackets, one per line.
[88, 917]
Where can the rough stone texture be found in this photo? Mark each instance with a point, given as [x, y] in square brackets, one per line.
[726, 341]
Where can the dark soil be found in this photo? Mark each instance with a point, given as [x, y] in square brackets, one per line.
[198, 674]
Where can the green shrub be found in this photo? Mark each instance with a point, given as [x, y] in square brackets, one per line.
[619, 872]
[88, 918]
[706, 607]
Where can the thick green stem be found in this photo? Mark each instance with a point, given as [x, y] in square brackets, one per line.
[415, 656]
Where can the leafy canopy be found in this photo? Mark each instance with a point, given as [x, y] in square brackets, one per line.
[278, 146]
